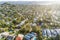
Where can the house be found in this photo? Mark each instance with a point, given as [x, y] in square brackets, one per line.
[22, 22]
[35, 19]
[48, 33]
[30, 36]
[0, 36]
[19, 37]
[53, 33]
[34, 38]
[5, 34]
[33, 24]
[44, 32]
[41, 23]
[9, 38]
[58, 31]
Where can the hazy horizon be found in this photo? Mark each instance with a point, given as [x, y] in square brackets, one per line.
[31, 2]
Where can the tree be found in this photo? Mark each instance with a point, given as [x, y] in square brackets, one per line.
[25, 29]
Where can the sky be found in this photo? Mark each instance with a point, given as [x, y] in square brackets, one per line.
[30, 0]
[56, 1]
[41, 1]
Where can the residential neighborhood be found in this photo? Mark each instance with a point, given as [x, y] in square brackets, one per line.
[29, 21]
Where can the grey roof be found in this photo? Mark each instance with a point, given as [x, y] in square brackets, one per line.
[44, 32]
[50, 32]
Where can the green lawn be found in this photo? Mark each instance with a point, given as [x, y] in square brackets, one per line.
[2, 39]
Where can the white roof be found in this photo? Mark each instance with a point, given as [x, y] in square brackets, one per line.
[5, 33]
[22, 22]
[33, 24]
